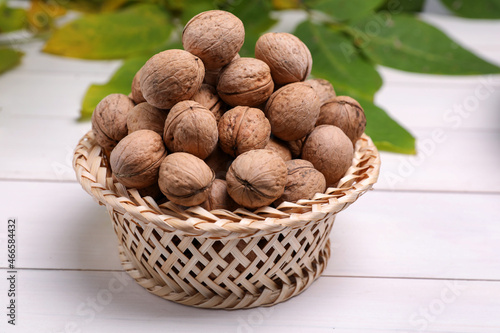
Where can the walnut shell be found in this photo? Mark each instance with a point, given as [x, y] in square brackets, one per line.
[323, 88]
[215, 36]
[211, 75]
[136, 159]
[296, 146]
[109, 120]
[219, 162]
[330, 151]
[192, 128]
[185, 179]
[302, 182]
[280, 147]
[171, 76]
[242, 129]
[207, 96]
[288, 57]
[292, 111]
[256, 178]
[245, 81]
[218, 198]
[145, 116]
[136, 93]
[345, 113]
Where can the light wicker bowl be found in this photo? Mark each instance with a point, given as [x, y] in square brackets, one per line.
[223, 259]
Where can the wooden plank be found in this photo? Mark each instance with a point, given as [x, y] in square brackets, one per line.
[68, 301]
[390, 234]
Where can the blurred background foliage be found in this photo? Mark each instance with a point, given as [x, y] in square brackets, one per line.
[348, 39]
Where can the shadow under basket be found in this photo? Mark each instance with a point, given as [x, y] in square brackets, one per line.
[223, 259]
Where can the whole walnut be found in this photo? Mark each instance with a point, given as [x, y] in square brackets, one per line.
[192, 128]
[219, 162]
[211, 75]
[287, 56]
[185, 179]
[215, 36]
[218, 198]
[302, 182]
[292, 111]
[245, 81]
[171, 76]
[242, 129]
[280, 147]
[109, 120]
[330, 151]
[296, 146]
[207, 96]
[145, 116]
[323, 88]
[136, 93]
[136, 159]
[345, 113]
[256, 178]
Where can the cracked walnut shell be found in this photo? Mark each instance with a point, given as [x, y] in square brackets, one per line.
[256, 178]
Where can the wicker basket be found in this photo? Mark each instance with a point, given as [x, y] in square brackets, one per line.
[223, 259]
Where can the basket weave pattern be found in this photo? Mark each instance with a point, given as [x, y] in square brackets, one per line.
[223, 259]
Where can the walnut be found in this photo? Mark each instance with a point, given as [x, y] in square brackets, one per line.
[215, 36]
[219, 162]
[292, 111]
[303, 181]
[296, 146]
[245, 81]
[207, 96]
[330, 151]
[185, 179]
[218, 198]
[280, 147]
[192, 128]
[345, 113]
[323, 88]
[136, 93]
[145, 116]
[171, 76]
[109, 120]
[287, 56]
[211, 75]
[136, 159]
[242, 129]
[256, 178]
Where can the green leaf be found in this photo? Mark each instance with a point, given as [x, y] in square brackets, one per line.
[125, 33]
[406, 43]
[120, 83]
[194, 7]
[11, 19]
[342, 10]
[385, 132]
[337, 60]
[484, 9]
[400, 6]
[9, 59]
[255, 15]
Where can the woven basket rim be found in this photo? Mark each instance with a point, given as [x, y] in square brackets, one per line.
[93, 174]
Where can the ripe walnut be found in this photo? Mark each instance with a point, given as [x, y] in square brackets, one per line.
[171, 76]
[109, 120]
[330, 151]
[215, 36]
[192, 128]
[219, 162]
[287, 56]
[242, 129]
[218, 198]
[323, 88]
[345, 113]
[136, 93]
[145, 116]
[256, 178]
[245, 81]
[207, 96]
[185, 179]
[280, 147]
[303, 181]
[292, 111]
[136, 159]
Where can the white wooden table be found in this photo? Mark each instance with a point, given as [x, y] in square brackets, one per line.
[420, 253]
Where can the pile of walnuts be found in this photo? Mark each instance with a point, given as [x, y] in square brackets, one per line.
[203, 126]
